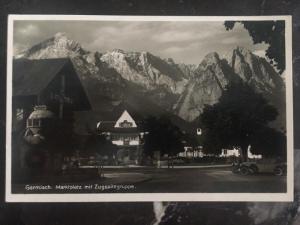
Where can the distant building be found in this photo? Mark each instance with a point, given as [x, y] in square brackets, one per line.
[253, 156]
[230, 153]
[127, 135]
[190, 152]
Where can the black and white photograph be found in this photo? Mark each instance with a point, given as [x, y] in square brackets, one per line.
[137, 108]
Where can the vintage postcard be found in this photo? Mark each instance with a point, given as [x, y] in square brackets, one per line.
[149, 108]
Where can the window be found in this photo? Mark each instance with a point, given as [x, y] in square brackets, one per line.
[125, 124]
[29, 123]
[126, 141]
[34, 123]
[20, 114]
[134, 138]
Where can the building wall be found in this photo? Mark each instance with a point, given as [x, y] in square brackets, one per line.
[253, 156]
[121, 142]
[131, 139]
[190, 153]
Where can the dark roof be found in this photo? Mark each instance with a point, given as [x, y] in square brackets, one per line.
[30, 77]
[108, 126]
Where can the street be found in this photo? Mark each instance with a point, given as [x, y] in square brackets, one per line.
[177, 180]
[212, 181]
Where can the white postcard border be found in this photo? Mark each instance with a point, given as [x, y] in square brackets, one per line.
[150, 197]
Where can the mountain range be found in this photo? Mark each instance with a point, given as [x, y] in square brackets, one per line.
[151, 85]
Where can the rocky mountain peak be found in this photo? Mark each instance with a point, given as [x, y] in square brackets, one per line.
[144, 68]
[58, 46]
[242, 50]
[254, 70]
[170, 61]
[60, 35]
[211, 62]
[117, 50]
[212, 56]
[210, 59]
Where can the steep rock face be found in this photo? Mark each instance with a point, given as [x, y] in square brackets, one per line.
[255, 71]
[145, 69]
[259, 74]
[211, 77]
[103, 84]
[159, 81]
[188, 70]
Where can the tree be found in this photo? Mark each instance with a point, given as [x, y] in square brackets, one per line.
[270, 142]
[162, 136]
[192, 140]
[270, 32]
[240, 119]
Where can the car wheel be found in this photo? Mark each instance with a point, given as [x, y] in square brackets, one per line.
[278, 171]
[253, 169]
[244, 170]
[235, 169]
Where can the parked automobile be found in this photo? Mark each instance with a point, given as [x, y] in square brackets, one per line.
[178, 161]
[236, 167]
[274, 166]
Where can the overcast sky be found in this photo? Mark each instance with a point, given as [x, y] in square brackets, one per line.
[186, 42]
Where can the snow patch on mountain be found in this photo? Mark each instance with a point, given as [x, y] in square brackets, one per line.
[145, 69]
[59, 46]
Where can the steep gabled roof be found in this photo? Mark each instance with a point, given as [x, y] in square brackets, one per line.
[125, 117]
[114, 113]
[30, 77]
[113, 126]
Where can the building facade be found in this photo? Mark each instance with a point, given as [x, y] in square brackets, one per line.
[46, 92]
[230, 153]
[127, 135]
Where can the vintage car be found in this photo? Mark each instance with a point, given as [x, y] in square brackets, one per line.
[275, 166]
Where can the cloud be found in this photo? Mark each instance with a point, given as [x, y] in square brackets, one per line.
[229, 40]
[28, 30]
[172, 50]
[186, 32]
[186, 42]
[260, 53]
[177, 36]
